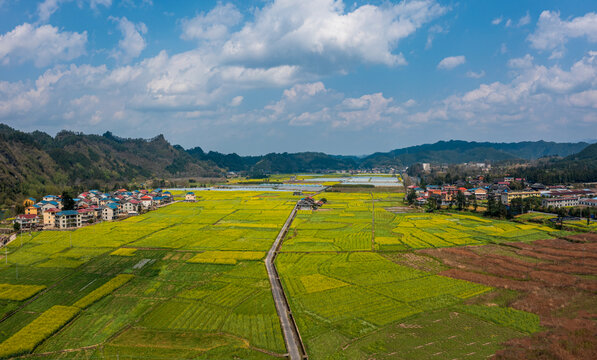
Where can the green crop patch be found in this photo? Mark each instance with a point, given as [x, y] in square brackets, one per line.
[26, 339]
[19, 292]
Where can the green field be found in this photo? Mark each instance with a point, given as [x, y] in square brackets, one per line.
[188, 281]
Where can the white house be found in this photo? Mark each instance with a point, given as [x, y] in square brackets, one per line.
[190, 197]
[110, 212]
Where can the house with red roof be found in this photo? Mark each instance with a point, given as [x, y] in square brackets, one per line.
[27, 221]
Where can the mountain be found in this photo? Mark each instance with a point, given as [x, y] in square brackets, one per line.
[575, 168]
[442, 152]
[277, 162]
[31, 163]
[457, 151]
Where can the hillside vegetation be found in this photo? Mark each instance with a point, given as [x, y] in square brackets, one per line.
[36, 162]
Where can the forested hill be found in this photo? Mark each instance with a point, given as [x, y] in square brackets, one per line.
[580, 167]
[35, 162]
[456, 151]
[277, 162]
[443, 152]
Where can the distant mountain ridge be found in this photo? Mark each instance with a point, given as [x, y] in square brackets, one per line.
[442, 152]
[35, 162]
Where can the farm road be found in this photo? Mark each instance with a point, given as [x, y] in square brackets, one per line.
[294, 343]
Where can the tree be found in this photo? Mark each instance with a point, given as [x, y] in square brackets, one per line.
[411, 197]
[490, 207]
[460, 200]
[67, 201]
[16, 226]
[475, 204]
[431, 205]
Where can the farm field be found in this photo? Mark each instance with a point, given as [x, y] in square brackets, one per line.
[148, 286]
[188, 281]
[358, 289]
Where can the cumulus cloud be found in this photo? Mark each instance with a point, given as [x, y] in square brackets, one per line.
[475, 75]
[321, 35]
[213, 26]
[132, 43]
[552, 33]
[525, 20]
[497, 21]
[451, 62]
[288, 44]
[236, 101]
[521, 63]
[42, 45]
[586, 98]
[46, 8]
[536, 94]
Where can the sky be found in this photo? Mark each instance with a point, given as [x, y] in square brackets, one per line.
[257, 76]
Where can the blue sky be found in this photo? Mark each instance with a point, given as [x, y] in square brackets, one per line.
[342, 77]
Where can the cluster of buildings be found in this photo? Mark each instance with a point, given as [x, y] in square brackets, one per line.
[552, 196]
[89, 207]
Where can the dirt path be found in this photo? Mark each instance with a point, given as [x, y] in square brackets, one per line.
[294, 343]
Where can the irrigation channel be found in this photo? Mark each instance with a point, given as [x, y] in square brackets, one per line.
[294, 342]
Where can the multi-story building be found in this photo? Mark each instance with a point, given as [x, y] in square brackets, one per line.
[68, 219]
[509, 196]
[559, 202]
[588, 202]
[26, 221]
[49, 217]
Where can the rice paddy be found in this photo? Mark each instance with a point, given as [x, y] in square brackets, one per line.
[188, 281]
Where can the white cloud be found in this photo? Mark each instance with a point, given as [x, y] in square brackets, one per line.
[451, 62]
[475, 75]
[508, 23]
[497, 21]
[94, 3]
[521, 63]
[525, 20]
[433, 30]
[586, 98]
[552, 33]
[536, 96]
[132, 43]
[236, 101]
[214, 25]
[46, 8]
[503, 48]
[288, 44]
[320, 34]
[43, 45]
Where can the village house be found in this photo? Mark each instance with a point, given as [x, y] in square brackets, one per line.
[68, 219]
[509, 196]
[588, 202]
[559, 202]
[146, 201]
[87, 215]
[480, 194]
[49, 217]
[131, 207]
[110, 212]
[26, 221]
[32, 210]
[190, 197]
